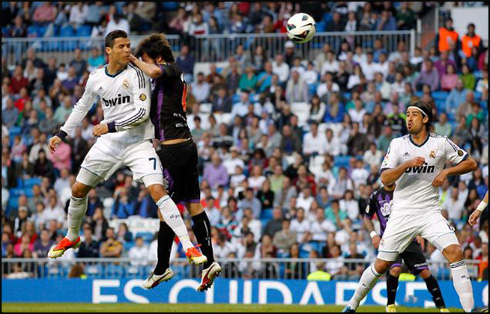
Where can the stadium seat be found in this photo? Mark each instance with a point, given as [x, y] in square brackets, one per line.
[147, 236]
[84, 31]
[266, 214]
[342, 161]
[29, 183]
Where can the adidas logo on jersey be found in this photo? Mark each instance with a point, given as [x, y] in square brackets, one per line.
[116, 101]
[422, 169]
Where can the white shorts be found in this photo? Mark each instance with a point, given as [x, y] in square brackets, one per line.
[402, 229]
[105, 157]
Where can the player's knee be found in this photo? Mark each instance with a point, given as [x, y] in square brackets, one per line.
[80, 190]
[395, 271]
[157, 192]
[382, 266]
[453, 253]
[425, 274]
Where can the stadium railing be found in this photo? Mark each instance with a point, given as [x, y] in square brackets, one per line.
[249, 268]
[208, 48]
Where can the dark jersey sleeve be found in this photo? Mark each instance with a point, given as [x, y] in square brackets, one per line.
[167, 70]
[371, 206]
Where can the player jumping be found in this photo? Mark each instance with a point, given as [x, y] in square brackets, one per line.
[380, 203]
[124, 139]
[178, 154]
[416, 162]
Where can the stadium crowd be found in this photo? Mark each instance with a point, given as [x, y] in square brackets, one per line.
[272, 185]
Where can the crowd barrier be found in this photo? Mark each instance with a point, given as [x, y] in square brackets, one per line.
[207, 48]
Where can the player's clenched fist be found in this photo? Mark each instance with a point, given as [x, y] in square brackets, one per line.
[439, 180]
[53, 142]
[100, 129]
[375, 240]
[416, 162]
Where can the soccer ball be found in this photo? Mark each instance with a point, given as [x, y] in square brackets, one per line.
[301, 28]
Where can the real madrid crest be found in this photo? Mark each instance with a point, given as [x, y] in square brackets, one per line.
[432, 154]
[125, 84]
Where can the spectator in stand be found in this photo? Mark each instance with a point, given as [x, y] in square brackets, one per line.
[386, 22]
[18, 80]
[464, 108]
[296, 89]
[139, 253]
[42, 245]
[455, 98]
[44, 14]
[405, 16]
[429, 76]
[123, 207]
[446, 36]
[110, 247]
[201, 88]
[62, 159]
[449, 79]
[10, 114]
[468, 78]
[54, 211]
[215, 173]
[78, 63]
[186, 62]
[470, 40]
[443, 127]
[336, 24]
[280, 68]
[313, 142]
[78, 14]
[117, 22]
[90, 247]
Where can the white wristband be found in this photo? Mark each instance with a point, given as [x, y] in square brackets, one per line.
[373, 234]
[481, 206]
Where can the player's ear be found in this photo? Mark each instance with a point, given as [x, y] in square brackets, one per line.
[425, 119]
[108, 50]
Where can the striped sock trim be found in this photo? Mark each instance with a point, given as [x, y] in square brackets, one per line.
[457, 264]
[162, 200]
[375, 273]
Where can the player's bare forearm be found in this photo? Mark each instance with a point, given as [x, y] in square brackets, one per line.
[462, 168]
[389, 176]
[152, 70]
[368, 224]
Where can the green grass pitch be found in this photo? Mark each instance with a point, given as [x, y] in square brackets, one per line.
[186, 307]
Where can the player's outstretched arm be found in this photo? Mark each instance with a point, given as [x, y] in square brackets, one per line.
[152, 70]
[477, 212]
[76, 116]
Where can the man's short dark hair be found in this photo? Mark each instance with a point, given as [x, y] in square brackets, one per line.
[155, 45]
[112, 36]
[426, 108]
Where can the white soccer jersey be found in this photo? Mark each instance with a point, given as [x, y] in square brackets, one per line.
[414, 191]
[125, 99]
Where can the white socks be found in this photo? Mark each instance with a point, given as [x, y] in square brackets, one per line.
[76, 212]
[172, 217]
[462, 284]
[368, 279]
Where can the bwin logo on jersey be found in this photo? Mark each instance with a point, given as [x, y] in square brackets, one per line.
[116, 101]
[422, 169]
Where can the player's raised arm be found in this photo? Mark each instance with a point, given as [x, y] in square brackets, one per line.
[76, 116]
[150, 69]
[142, 103]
